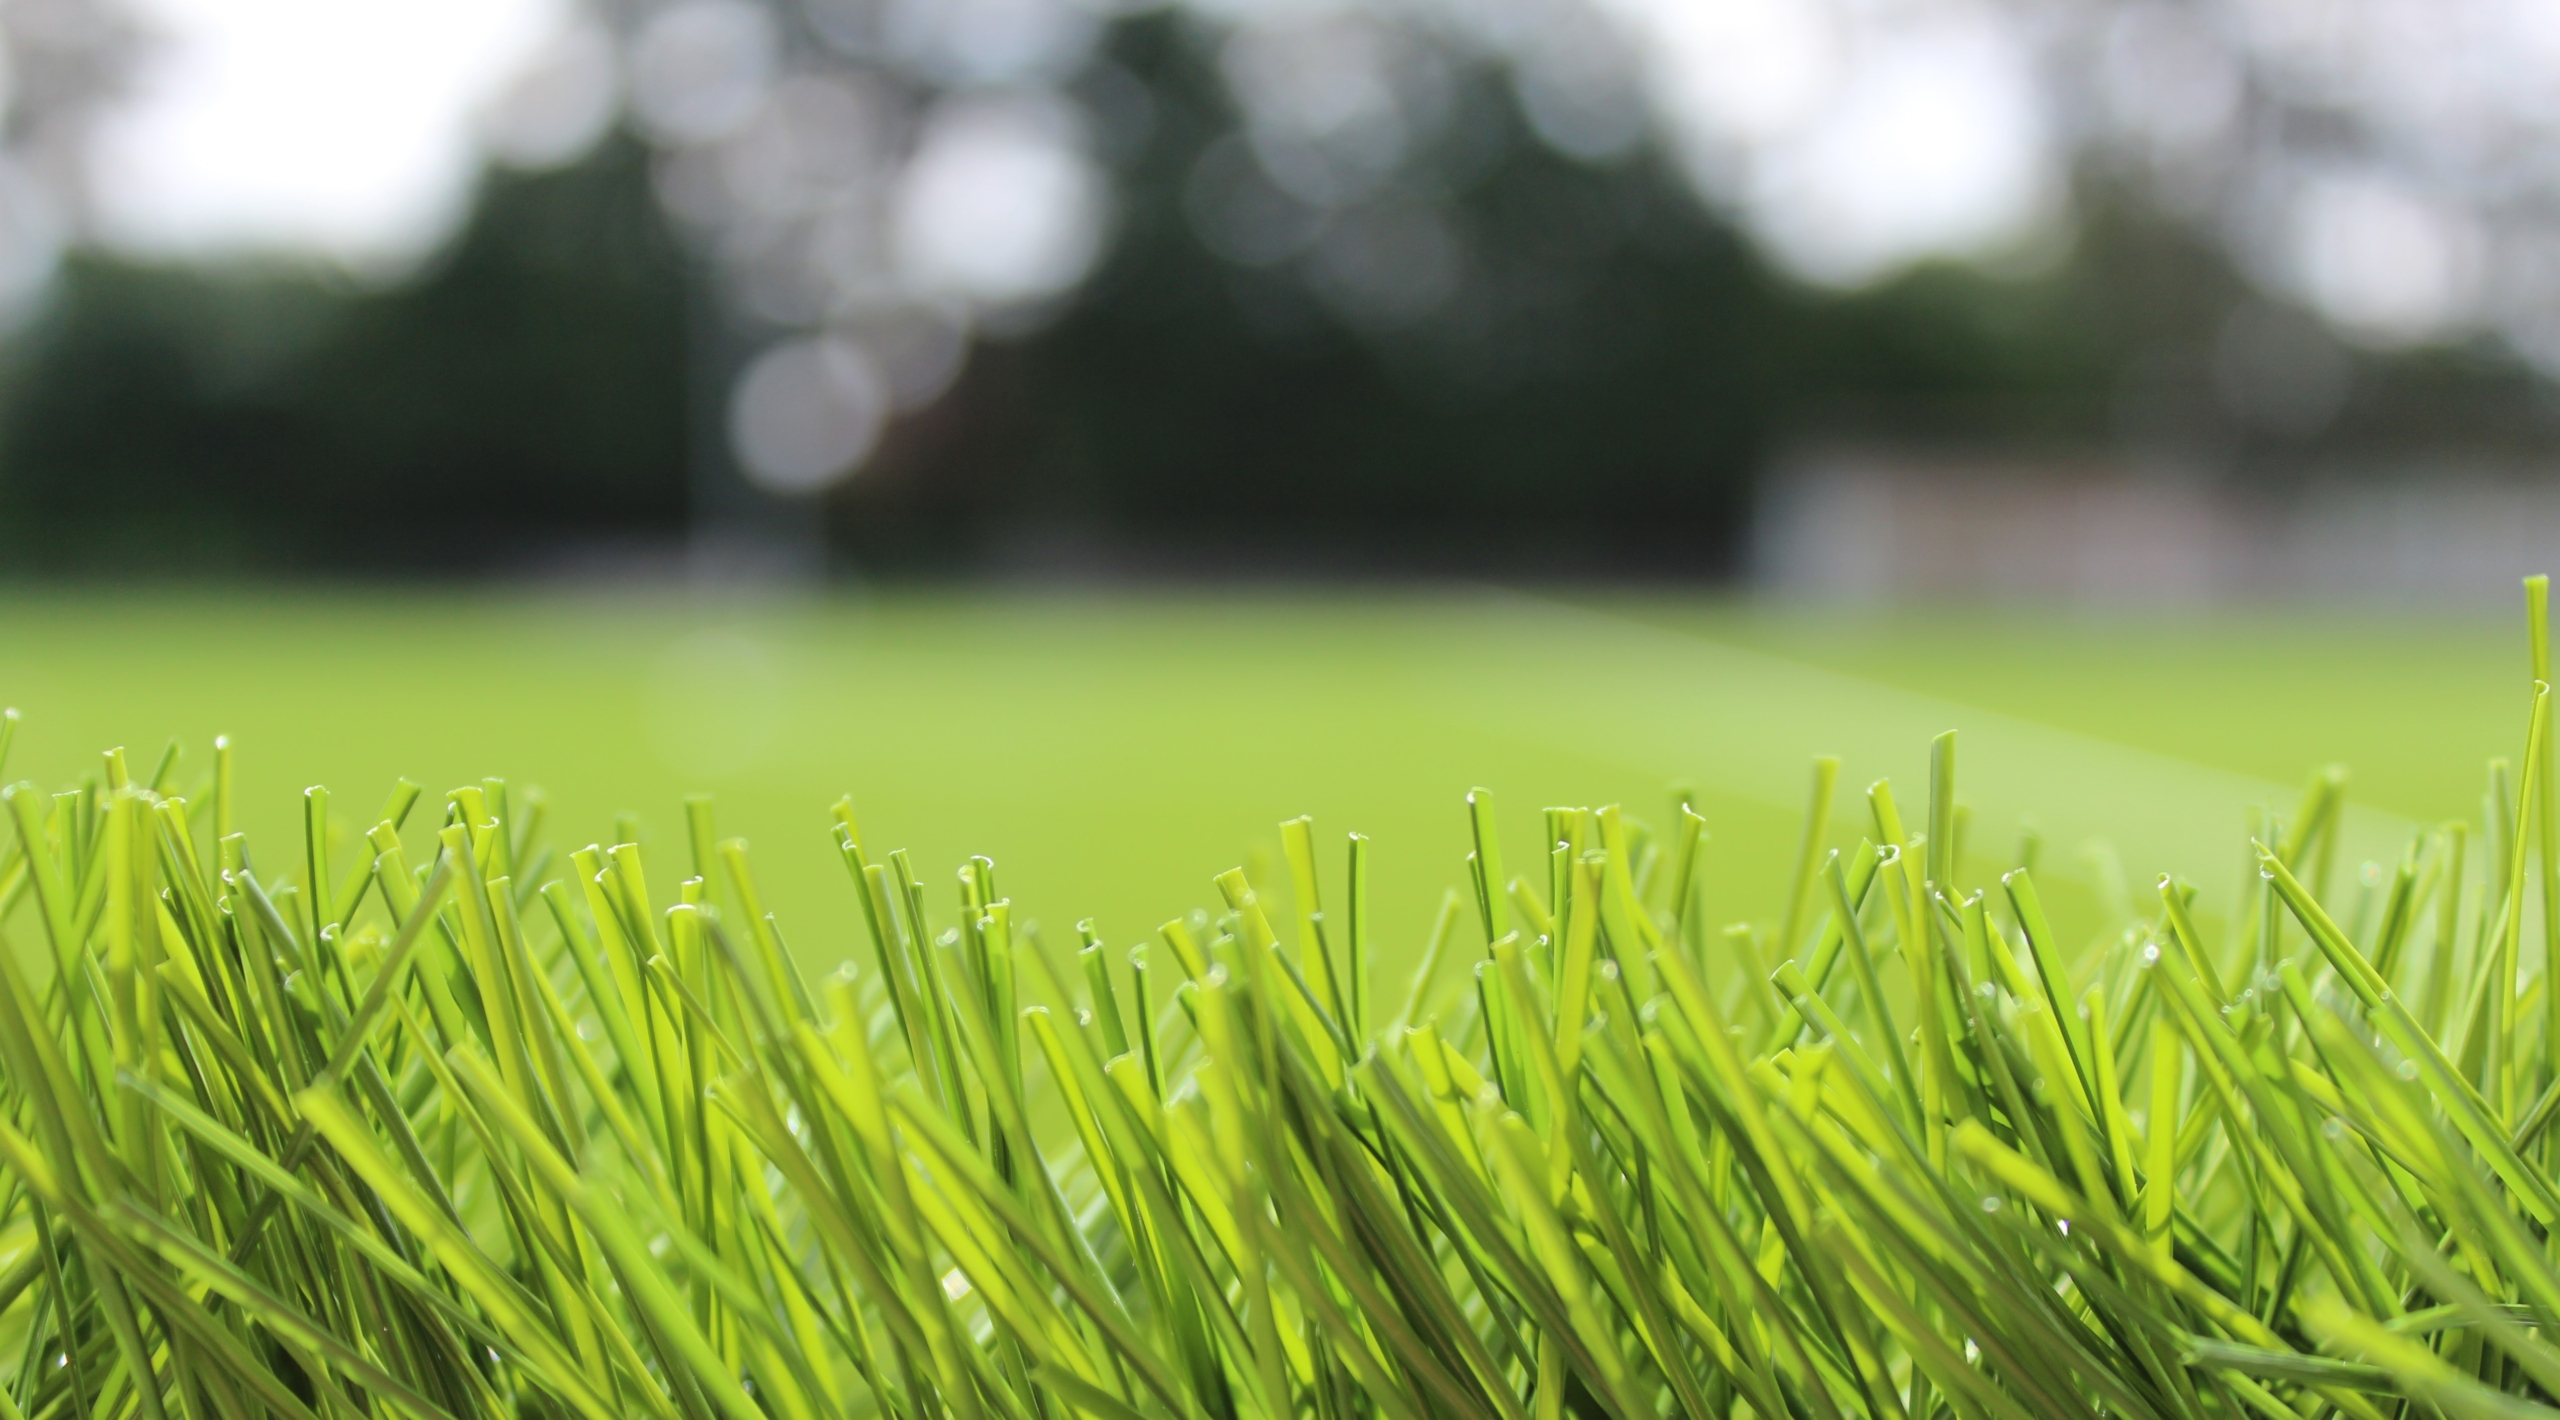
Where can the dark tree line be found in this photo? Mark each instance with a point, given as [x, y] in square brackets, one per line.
[1597, 397]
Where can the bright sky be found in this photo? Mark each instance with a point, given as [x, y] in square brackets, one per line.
[338, 125]
[346, 126]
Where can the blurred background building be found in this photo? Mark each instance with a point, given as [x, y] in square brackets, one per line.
[2176, 300]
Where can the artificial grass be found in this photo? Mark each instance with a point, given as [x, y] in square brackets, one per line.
[1115, 750]
[332, 1129]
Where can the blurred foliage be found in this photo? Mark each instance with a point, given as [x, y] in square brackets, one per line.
[1599, 395]
[526, 389]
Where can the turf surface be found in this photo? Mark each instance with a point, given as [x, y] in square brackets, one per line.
[1111, 753]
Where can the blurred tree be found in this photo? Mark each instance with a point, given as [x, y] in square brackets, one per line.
[1583, 371]
[525, 393]
[1586, 393]
[1598, 392]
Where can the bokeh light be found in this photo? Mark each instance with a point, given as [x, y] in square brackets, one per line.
[805, 413]
[999, 205]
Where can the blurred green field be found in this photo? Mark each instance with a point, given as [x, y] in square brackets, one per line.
[1112, 752]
